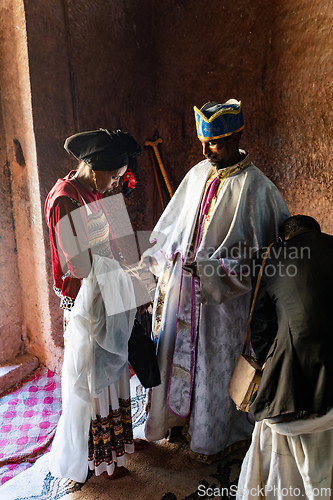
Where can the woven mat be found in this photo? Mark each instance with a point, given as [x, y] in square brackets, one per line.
[162, 471]
[28, 418]
[29, 415]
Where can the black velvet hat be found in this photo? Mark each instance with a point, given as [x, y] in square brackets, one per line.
[107, 150]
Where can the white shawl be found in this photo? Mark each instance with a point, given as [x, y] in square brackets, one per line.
[290, 459]
[96, 353]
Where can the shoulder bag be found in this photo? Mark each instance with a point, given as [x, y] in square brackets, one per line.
[247, 374]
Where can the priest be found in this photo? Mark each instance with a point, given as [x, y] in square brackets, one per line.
[223, 211]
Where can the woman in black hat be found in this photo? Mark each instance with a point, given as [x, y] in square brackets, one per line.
[79, 229]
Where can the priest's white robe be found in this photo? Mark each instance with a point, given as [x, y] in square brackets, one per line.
[248, 212]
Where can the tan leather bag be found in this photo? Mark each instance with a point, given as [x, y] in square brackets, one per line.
[247, 373]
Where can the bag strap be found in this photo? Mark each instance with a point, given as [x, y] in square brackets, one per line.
[255, 297]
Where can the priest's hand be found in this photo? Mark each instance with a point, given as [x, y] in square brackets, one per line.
[192, 268]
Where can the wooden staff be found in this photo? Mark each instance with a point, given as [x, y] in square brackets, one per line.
[154, 145]
[157, 181]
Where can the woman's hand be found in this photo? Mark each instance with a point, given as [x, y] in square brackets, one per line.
[143, 308]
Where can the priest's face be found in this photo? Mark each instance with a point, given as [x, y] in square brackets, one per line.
[221, 153]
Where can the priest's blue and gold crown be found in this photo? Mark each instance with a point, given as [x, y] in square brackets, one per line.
[215, 121]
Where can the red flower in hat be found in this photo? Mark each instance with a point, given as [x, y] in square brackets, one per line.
[130, 178]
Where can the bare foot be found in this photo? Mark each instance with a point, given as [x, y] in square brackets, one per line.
[118, 473]
[140, 444]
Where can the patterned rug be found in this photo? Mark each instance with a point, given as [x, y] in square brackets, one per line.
[162, 471]
[28, 419]
[29, 414]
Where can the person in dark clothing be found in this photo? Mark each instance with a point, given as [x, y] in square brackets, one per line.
[292, 324]
[292, 337]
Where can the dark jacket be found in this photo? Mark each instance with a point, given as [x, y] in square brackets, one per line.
[292, 327]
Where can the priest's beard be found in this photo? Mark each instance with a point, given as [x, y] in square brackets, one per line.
[218, 164]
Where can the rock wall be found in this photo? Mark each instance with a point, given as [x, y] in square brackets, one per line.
[11, 317]
[22, 253]
[277, 58]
